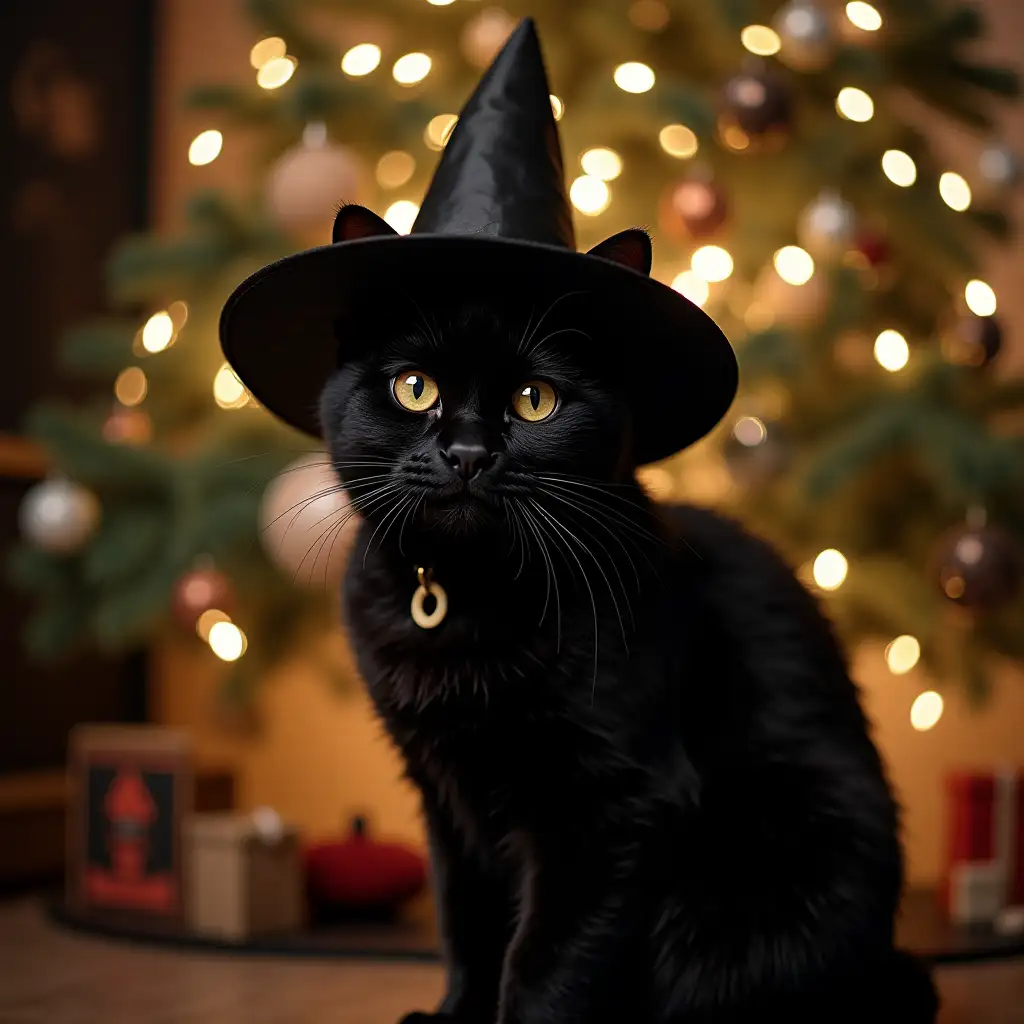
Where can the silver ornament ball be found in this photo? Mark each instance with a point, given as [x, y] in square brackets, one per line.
[806, 35]
[59, 516]
[999, 165]
[828, 225]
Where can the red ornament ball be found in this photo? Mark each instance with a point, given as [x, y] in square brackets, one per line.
[758, 103]
[693, 211]
[979, 567]
[873, 248]
[199, 591]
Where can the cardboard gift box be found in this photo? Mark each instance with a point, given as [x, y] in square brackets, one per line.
[244, 876]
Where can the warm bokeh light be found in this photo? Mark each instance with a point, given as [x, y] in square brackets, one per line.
[276, 72]
[794, 265]
[208, 620]
[602, 163]
[267, 49]
[692, 286]
[411, 68]
[402, 215]
[394, 169]
[980, 298]
[926, 710]
[361, 60]
[864, 16]
[131, 386]
[899, 167]
[228, 390]
[750, 431]
[590, 195]
[903, 654]
[439, 130]
[158, 332]
[178, 312]
[650, 15]
[892, 352]
[855, 104]
[227, 641]
[712, 263]
[205, 147]
[679, 141]
[557, 107]
[830, 568]
[634, 77]
[440, 3]
[761, 39]
[955, 191]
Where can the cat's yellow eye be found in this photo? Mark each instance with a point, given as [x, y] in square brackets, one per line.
[415, 391]
[534, 401]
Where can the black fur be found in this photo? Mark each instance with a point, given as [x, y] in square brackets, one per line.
[651, 795]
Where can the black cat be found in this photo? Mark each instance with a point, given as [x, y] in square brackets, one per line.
[650, 789]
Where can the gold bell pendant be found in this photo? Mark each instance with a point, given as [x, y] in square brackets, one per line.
[428, 588]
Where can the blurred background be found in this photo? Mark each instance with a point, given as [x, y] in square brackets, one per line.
[838, 184]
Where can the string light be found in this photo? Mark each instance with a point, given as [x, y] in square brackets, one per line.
[361, 60]
[402, 215]
[228, 390]
[394, 169]
[439, 130]
[131, 386]
[711, 262]
[955, 191]
[750, 431]
[602, 163]
[590, 195]
[649, 15]
[855, 104]
[926, 710]
[205, 147]
[892, 352]
[980, 298]
[267, 49]
[440, 3]
[899, 167]
[864, 16]
[411, 68]
[178, 312]
[276, 72]
[794, 265]
[692, 286]
[557, 107]
[208, 620]
[830, 568]
[903, 654]
[634, 77]
[761, 40]
[158, 332]
[679, 141]
[227, 641]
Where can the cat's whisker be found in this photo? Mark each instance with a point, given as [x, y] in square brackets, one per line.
[525, 345]
[555, 334]
[412, 510]
[519, 536]
[614, 515]
[551, 575]
[387, 522]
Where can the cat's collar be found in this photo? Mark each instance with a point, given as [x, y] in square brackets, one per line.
[428, 589]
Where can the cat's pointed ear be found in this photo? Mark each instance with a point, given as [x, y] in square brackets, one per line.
[354, 222]
[631, 248]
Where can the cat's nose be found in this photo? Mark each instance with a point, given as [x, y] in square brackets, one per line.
[467, 459]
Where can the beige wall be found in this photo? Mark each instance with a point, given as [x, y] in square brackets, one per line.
[321, 758]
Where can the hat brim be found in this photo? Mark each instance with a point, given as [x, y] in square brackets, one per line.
[279, 328]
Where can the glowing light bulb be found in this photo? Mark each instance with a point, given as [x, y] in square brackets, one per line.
[590, 195]
[267, 49]
[208, 620]
[830, 568]
[692, 286]
[899, 167]
[394, 169]
[402, 215]
[158, 332]
[679, 141]
[955, 191]
[864, 16]
[227, 641]
[903, 654]
[855, 104]
[926, 710]
[980, 298]
[892, 352]
[411, 68]
[750, 431]
[228, 390]
[794, 265]
[131, 386]
[634, 77]
[557, 107]
[205, 147]
[602, 163]
[440, 3]
[711, 262]
[276, 72]
[361, 60]
[761, 39]
[439, 130]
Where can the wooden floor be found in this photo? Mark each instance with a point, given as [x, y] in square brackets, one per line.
[48, 976]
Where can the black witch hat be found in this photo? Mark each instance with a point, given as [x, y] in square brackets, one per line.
[496, 211]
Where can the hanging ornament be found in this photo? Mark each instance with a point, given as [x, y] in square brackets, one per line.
[59, 516]
[827, 226]
[125, 425]
[999, 166]
[306, 521]
[756, 452]
[756, 107]
[973, 340]
[306, 184]
[198, 591]
[978, 566]
[485, 34]
[873, 248]
[806, 35]
[693, 210]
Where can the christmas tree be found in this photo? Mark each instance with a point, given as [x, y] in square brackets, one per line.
[776, 153]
